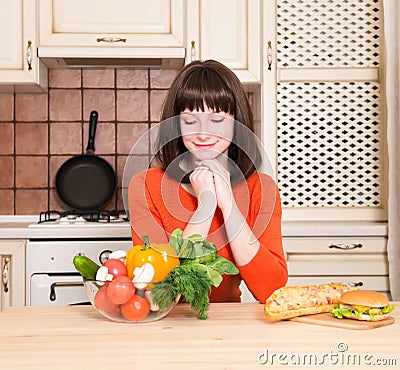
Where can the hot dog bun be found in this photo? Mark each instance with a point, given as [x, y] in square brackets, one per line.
[283, 315]
[292, 301]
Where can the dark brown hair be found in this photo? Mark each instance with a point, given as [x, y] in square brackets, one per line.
[212, 84]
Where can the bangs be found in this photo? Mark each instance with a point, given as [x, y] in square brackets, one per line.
[205, 87]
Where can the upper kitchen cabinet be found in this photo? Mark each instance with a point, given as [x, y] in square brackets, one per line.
[118, 32]
[323, 108]
[20, 69]
[228, 31]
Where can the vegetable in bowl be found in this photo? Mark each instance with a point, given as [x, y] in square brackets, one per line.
[153, 277]
[119, 300]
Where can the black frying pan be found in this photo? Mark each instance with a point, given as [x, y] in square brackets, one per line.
[86, 182]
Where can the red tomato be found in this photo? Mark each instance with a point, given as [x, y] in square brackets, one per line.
[120, 290]
[116, 267]
[136, 309]
[102, 303]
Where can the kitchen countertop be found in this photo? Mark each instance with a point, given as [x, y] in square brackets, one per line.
[235, 336]
[17, 227]
[20, 227]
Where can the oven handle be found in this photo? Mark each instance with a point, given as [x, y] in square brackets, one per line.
[59, 284]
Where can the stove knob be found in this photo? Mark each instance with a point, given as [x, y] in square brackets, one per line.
[104, 256]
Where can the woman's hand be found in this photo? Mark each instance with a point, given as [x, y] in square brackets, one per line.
[221, 183]
[201, 180]
[203, 187]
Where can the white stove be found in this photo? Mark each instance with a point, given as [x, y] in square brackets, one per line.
[51, 278]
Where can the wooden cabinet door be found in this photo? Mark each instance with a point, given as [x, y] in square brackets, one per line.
[120, 23]
[323, 108]
[18, 58]
[12, 264]
[228, 31]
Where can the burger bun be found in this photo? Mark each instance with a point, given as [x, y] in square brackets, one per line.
[368, 298]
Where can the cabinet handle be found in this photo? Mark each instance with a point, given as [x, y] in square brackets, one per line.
[193, 52]
[61, 283]
[269, 56]
[28, 55]
[354, 283]
[110, 39]
[346, 246]
[5, 274]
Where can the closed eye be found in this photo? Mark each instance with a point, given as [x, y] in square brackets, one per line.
[189, 122]
[218, 120]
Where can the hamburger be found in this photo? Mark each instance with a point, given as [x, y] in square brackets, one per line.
[366, 305]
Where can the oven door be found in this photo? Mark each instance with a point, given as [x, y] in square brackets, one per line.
[57, 290]
[51, 277]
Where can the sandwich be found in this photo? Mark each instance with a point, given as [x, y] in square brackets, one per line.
[292, 301]
[366, 305]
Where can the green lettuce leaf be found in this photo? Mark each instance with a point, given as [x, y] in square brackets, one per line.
[345, 312]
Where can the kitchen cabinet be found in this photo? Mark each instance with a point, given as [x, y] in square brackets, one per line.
[228, 31]
[323, 127]
[322, 108]
[98, 28]
[360, 261]
[20, 69]
[12, 260]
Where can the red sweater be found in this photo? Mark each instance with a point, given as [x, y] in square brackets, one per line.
[158, 205]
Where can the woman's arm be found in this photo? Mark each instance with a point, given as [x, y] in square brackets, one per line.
[144, 216]
[256, 247]
[243, 243]
[267, 270]
[201, 180]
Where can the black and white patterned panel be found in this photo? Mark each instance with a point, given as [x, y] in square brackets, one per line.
[329, 144]
[328, 33]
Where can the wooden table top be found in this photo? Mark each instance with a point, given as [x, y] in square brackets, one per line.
[235, 336]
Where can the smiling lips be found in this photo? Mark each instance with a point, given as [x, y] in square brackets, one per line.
[204, 146]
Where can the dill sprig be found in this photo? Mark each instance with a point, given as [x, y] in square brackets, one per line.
[189, 280]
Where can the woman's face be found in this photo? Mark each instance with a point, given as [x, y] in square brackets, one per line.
[206, 134]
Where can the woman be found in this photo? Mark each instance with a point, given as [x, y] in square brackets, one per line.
[207, 181]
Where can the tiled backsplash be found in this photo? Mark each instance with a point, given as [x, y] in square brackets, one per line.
[39, 132]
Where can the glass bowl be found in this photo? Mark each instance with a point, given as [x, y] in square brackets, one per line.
[122, 301]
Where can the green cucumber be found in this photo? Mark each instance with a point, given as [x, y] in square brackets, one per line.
[85, 266]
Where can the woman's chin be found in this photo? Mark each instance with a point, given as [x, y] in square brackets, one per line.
[203, 155]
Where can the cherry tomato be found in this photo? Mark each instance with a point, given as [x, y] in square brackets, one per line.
[161, 256]
[136, 309]
[120, 290]
[116, 267]
[102, 303]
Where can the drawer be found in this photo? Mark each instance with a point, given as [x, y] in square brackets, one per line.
[331, 245]
[336, 264]
[378, 283]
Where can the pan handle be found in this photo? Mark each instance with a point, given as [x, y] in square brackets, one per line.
[92, 131]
